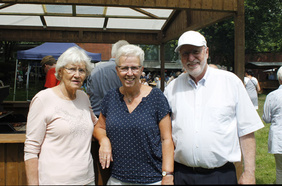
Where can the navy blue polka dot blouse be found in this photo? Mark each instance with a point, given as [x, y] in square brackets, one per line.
[135, 137]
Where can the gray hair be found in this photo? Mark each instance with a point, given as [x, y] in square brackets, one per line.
[117, 45]
[279, 75]
[130, 50]
[73, 55]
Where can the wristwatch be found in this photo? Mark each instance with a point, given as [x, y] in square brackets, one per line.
[164, 173]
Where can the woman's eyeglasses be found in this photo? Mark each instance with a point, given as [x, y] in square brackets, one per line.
[134, 69]
[73, 70]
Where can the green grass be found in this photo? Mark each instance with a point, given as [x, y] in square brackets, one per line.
[265, 163]
[21, 93]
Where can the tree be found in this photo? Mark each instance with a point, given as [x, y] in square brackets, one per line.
[262, 32]
[7, 48]
[263, 26]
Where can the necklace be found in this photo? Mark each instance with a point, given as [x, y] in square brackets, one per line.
[133, 97]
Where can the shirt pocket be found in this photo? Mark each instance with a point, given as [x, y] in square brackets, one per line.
[220, 118]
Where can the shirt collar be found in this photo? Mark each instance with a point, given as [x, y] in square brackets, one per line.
[202, 82]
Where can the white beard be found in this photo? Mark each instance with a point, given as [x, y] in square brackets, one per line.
[199, 68]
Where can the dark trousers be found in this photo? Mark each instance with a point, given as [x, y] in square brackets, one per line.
[184, 175]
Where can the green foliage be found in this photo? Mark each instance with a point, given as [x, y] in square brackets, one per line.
[220, 40]
[262, 34]
[151, 52]
[263, 25]
[169, 47]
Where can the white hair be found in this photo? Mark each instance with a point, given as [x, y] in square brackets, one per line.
[279, 75]
[73, 55]
[116, 46]
[130, 50]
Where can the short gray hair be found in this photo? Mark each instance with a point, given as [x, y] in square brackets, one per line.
[279, 75]
[130, 50]
[73, 55]
[116, 46]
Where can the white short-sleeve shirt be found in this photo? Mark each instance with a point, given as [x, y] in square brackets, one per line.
[208, 118]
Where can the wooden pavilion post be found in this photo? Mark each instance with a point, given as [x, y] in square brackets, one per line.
[239, 53]
[162, 58]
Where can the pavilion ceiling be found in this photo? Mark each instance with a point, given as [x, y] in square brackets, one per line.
[106, 21]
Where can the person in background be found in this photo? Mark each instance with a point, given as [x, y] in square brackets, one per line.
[143, 76]
[212, 119]
[252, 86]
[59, 127]
[175, 75]
[48, 64]
[272, 113]
[134, 127]
[20, 80]
[143, 81]
[102, 79]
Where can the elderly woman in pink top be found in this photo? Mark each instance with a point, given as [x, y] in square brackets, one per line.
[59, 127]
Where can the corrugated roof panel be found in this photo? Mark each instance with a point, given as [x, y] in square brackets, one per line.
[159, 12]
[23, 8]
[20, 20]
[74, 22]
[146, 24]
[117, 11]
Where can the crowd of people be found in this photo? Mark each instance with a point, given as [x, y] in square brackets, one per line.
[192, 133]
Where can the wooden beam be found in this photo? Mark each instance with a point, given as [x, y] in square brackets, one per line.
[192, 20]
[80, 15]
[170, 20]
[223, 5]
[73, 10]
[145, 13]
[105, 23]
[78, 36]
[43, 21]
[6, 5]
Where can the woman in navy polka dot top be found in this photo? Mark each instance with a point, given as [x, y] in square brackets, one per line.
[134, 127]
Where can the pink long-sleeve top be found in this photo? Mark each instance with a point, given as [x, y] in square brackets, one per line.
[59, 134]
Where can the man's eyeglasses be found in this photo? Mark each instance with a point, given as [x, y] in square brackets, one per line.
[195, 52]
[134, 69]
[73, 70]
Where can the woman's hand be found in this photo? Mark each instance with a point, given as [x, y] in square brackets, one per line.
[105, 153]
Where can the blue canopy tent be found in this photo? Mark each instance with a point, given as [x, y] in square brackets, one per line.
[54, 49]
[45, 49]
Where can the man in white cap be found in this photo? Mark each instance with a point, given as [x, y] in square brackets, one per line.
[212, 119]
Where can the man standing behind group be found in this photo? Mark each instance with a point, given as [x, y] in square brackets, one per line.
[103, 78]
[212, 115]
[48, 64]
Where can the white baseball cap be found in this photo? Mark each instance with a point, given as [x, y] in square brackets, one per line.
[191, 38]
